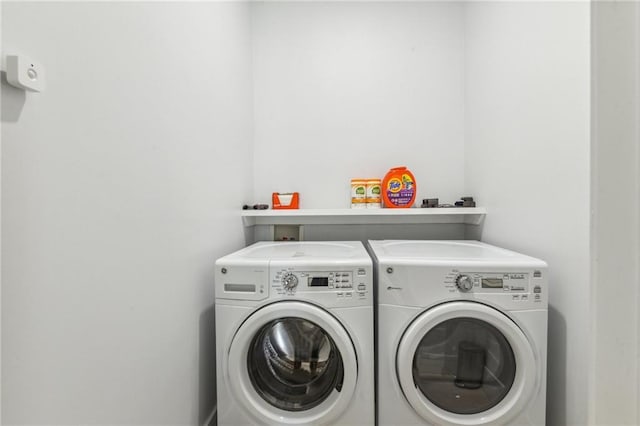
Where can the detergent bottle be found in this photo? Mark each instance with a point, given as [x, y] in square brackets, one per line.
[399, 188]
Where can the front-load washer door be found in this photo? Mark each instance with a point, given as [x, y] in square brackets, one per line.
[465, 363]
[292, 363]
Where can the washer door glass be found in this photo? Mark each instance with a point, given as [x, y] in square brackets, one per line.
[294, 364]
[464, 366]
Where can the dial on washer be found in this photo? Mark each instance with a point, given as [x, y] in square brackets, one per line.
[464, 283]
[289, 281]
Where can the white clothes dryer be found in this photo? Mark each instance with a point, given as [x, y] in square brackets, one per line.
[462, 334]
[294, 334]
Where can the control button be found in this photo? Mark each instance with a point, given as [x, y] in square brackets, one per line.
[349, 294]
[525, 297]
[515, 296]
[537, 297]
[289, 281]
[362, 287]
[537, 274]
[362, 272]
[362, 294]
[340, 294]
[505, 288]
[464, 283]
[537, 289]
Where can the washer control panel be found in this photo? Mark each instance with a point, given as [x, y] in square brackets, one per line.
[347, 284]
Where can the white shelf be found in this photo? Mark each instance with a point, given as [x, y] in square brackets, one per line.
[466, 215]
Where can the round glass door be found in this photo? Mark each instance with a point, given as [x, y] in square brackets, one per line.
[294, 364]
[464, 363]
[464, 366]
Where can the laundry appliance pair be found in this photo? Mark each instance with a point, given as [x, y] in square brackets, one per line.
[460, 328]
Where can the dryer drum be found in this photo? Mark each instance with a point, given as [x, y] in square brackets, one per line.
[471, 364]
[464, 366]
[294, 364]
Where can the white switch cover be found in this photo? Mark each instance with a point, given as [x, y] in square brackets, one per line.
[25, 73]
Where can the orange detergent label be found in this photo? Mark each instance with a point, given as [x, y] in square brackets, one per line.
[399, 188]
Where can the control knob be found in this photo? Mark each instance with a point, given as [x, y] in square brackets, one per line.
[464, 283]
[289, 281]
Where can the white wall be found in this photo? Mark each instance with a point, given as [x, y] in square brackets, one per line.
[346, 90]
[121, 182]
[527, 155]
[0, 238]
[120, 186]
[616, 212]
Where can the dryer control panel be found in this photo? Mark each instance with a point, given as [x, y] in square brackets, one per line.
[519, 284]
[484, 282]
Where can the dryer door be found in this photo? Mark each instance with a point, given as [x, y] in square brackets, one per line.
[292, 363]
[465, 363]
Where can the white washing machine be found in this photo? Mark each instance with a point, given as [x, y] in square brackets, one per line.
[462, 334]
[294, 334]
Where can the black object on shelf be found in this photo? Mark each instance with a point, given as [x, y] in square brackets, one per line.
[435, 203]
[255, 207]
[430, 203]
[468, 202]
